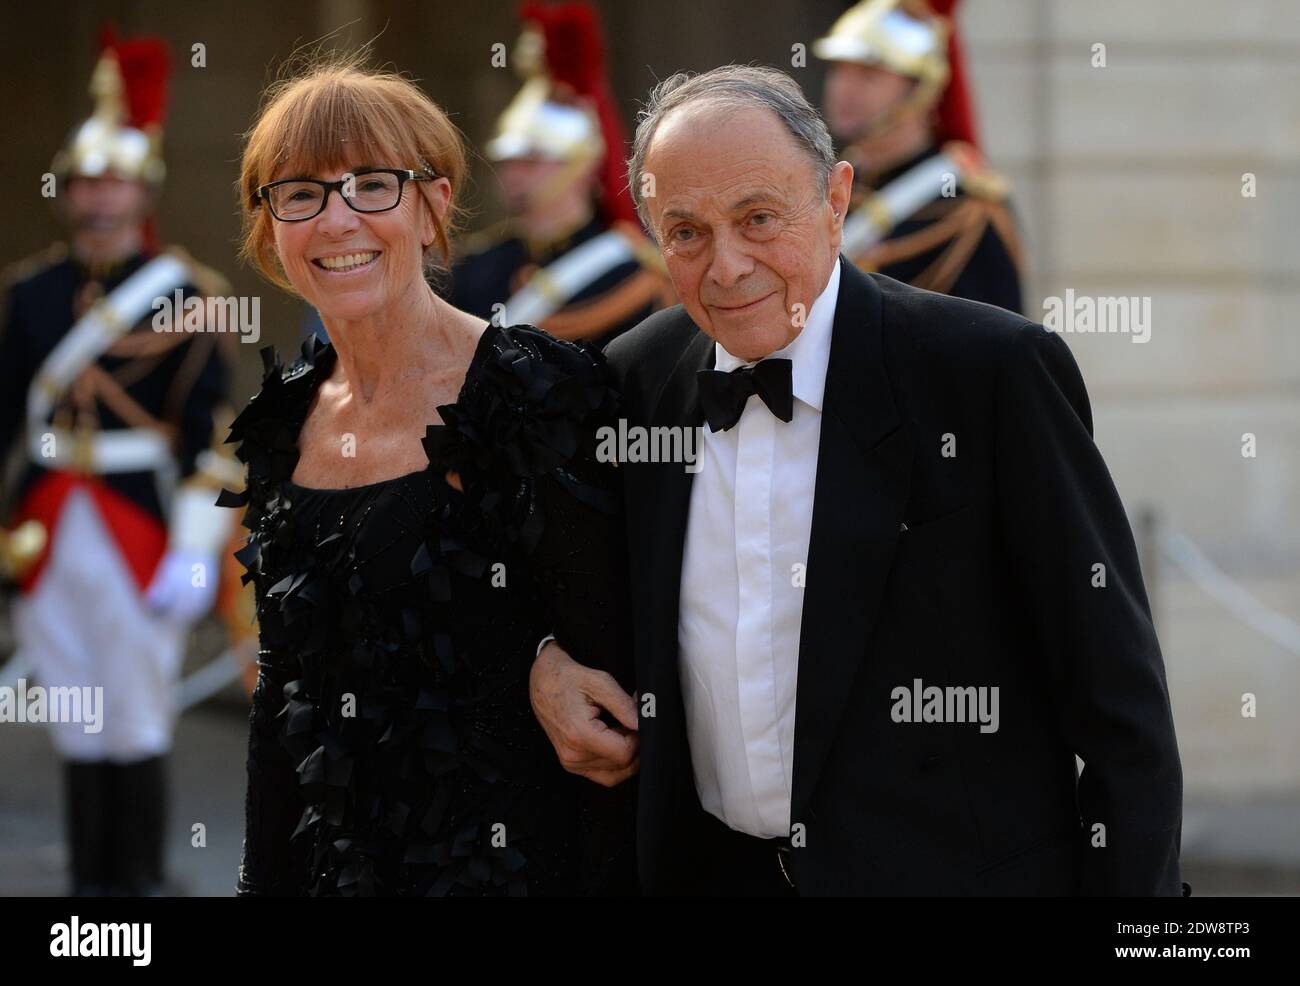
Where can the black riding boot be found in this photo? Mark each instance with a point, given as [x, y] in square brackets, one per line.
[139, 827]
[88, 810]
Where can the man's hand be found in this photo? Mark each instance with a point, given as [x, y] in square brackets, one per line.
[568, 699]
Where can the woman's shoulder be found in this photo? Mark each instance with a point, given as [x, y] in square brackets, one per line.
[529, 399]
[265, 432]
[518, 351]
[285, 391]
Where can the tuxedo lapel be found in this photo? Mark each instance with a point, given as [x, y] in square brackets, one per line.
[669, 489]
[863, 470]
[669, 814]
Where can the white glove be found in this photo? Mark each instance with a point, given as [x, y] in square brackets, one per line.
[174, 594]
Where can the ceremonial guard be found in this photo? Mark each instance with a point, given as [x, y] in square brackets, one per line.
[571, 256]
[114, 537]
[926, 209]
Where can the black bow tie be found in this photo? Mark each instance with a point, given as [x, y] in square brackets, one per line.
[724, 394]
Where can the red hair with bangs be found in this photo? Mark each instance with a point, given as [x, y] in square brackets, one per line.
[334, 114]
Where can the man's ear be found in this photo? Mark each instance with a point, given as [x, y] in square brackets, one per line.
[840, 191]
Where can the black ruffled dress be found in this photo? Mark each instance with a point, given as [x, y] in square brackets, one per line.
[393, 750]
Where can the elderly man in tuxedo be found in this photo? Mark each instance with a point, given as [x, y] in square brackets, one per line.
[896, 595]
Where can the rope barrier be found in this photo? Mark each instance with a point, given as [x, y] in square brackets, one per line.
[1196, 565]
[1182, 551]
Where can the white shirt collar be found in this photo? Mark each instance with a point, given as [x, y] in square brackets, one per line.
[809, 351]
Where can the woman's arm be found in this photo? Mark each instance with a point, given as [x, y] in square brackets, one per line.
[522, 440]
[579, 564]
[579, 568]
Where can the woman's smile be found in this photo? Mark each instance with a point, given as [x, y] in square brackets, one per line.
[348, 264]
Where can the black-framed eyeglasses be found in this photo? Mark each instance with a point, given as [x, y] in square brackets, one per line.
[291, 200]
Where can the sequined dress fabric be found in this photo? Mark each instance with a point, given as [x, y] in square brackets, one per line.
[393, 750]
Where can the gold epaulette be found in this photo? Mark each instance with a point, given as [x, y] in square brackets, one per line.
[484, 239]
[977, 178]
[21, 270]
[953, 232]
[210, 281]
[28, 267]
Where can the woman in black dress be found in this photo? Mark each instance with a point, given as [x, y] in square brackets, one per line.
[424, 505]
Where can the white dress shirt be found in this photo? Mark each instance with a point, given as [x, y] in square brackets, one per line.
[741, 595]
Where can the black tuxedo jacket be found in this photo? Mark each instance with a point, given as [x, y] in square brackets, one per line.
[970, 426]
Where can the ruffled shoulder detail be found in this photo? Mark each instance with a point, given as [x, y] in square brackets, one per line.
[529, 408]
[528, 405]
[266, 430]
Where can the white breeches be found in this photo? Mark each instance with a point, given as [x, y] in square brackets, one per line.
[85, 625]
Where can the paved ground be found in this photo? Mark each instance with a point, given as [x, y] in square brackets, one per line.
[1229, 847]
[207, 785]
